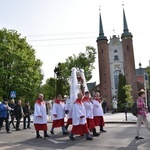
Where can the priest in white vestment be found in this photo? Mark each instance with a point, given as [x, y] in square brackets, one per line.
[79, 119]
[58, 114]
[40, 116]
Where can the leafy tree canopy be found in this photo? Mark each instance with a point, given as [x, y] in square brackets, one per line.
[20, 70]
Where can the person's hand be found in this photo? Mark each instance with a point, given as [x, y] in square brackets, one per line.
[7, 107]
[55, 115]
[82, 117]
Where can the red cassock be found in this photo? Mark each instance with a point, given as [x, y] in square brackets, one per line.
[90, 123]
[58, 123]
[80, 129]
[40, 127]
[99, 121]
[69, 121]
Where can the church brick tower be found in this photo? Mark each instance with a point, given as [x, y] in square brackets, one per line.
[104, 69]
[128, 53]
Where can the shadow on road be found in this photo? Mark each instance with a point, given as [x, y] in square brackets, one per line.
[134, 145]
[54, 142]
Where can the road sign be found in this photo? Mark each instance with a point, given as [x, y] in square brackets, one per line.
[12, 94]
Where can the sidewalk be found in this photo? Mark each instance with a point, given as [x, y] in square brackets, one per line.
[121, 118]
[112, 118]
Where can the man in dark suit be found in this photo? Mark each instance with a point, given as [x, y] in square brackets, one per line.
[26, 111]
[18, 110]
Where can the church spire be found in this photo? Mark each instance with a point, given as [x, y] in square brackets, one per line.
[125, 26]
[101, 32]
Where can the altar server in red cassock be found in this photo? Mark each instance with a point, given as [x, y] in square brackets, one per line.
[79, 119]
[89, 113]
[98, 112]
[58, 114]
[40, 117]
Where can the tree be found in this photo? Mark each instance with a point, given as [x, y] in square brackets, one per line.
[49, 88]
[121, 93]
[129, 98]
[82, 61]
[20, 70]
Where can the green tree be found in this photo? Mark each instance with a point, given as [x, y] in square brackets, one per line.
[82, 61]
[20, 70]
[129, 98]
[48, 89]
[121, 93]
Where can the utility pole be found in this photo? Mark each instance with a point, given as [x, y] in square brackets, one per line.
[146, 86]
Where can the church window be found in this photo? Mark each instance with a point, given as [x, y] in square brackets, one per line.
[115, 51]
[116, 78]
[116, 55]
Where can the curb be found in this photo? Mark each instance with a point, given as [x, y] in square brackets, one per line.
[109, 122]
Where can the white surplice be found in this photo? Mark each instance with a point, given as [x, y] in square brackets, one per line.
[89, 109]
[40, 110]
[59, 110]
[97, 108]
[78, 111]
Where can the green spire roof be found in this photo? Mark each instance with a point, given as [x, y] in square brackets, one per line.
[125, 27]
[101, 32]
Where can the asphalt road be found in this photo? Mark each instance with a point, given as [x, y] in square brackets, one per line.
[117, 137]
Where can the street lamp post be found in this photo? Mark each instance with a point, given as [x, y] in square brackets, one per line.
[145, 86]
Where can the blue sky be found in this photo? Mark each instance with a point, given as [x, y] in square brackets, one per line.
[59, 28]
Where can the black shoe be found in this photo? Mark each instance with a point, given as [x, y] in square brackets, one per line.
[65, 133]
[138, 137]
[24, 128]
[89, 138]
[17, 129]
[51, 132]
[46, 135]
[39, 136]
[72, 138]
[9, 132]
[29, 127]
[103, 131]
[96, 134]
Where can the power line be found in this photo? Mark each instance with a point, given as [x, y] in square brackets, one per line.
[60, 44]
[59, 34]
[74, 38]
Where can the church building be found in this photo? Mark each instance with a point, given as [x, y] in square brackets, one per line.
[115, 57]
